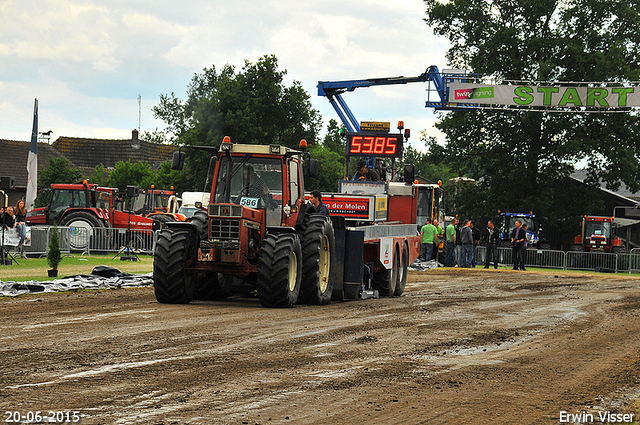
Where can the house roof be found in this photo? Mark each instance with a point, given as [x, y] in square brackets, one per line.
[14, 155]
[623, 194]
[92, 152]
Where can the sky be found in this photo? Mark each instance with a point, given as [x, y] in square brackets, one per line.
[89, 62]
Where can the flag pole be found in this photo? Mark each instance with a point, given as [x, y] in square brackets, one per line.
[32, 162]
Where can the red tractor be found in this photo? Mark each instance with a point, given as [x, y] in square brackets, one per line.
[161, 205]
[84, 207]
[257, 235]
[597, 235]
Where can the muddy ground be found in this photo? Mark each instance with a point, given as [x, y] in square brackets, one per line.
[459, 347]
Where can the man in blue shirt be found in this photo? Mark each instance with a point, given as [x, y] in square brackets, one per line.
[315, 198]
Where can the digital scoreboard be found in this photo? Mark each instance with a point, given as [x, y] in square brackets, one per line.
[375, 145]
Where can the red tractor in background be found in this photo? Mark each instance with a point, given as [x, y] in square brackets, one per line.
[597, 235]
[160, 205]
[84, 207]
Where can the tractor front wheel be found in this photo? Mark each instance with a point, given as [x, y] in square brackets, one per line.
[175, 249]
[318, 257]
[279, 270]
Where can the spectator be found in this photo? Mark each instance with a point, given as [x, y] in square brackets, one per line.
[427, 234]
[458, 245]
[436, 240]
[315, 198]
[476, 239]
[523, 257]
[21, 218]
[466, 238]
[366, 173]
[518, 237]
[492, 239]
[450, 259]
[9, 221]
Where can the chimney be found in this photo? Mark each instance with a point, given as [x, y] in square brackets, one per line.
[135, 143]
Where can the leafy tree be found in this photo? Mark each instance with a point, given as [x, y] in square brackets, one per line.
[333, 140]
[520, 157]
[98, 177]
[331, 169]
[127, 173]
[251, 106]
[60, 170]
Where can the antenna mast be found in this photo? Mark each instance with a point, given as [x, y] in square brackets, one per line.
[139, 111]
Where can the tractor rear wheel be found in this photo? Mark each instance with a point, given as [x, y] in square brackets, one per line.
[279, 270]
[82, 224]
[401, 280]
[318, 257]
[175, 249]
[384, 280]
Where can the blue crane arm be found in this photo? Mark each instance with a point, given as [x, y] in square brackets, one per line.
[333, 90]
[329, 88]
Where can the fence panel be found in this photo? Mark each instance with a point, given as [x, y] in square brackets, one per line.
[39, 241]
[633, 261]
[545, 258]
[41, 236]
[597, 261]
[113, 240]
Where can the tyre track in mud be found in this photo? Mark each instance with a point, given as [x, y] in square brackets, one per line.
[461, 345]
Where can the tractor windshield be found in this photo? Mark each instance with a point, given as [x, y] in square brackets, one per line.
[255, 182]
[597, 228]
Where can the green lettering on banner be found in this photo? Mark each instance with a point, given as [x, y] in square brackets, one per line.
[548, 92]
[597, 95]
[524, 96]
[570, 96]
[622, 94]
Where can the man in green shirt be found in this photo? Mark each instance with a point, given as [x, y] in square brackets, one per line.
[436, 240]
[428, 234]
[450, 237]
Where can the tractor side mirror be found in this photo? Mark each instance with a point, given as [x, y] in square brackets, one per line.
[311, 170]
[133, 191]
[409, 173]
[177, 161]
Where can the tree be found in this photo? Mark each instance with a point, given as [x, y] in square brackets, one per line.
[331, 169]
[131, 174]
[98, 177]
[520, 157]
[60, 170]
[253, 106]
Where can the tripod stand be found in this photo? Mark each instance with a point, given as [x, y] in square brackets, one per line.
[7, 258]
[126, 252]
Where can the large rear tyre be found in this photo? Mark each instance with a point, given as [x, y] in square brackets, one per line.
[385, 281]
[175, 249]
[279, 270]
[401, 280]
[82, 226]
[318, 257]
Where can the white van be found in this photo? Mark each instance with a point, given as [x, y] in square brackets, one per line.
[190, 201]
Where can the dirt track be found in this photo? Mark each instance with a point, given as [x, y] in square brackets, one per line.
[460, 347]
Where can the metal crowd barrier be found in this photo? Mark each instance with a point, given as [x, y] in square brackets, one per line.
[40, 238]
[572, 260]
[89, 240]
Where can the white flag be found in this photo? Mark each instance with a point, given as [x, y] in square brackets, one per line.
[32, 162]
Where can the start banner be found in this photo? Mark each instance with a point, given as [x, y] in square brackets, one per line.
[545, 96]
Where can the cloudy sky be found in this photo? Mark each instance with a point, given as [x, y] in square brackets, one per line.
[88, 61]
